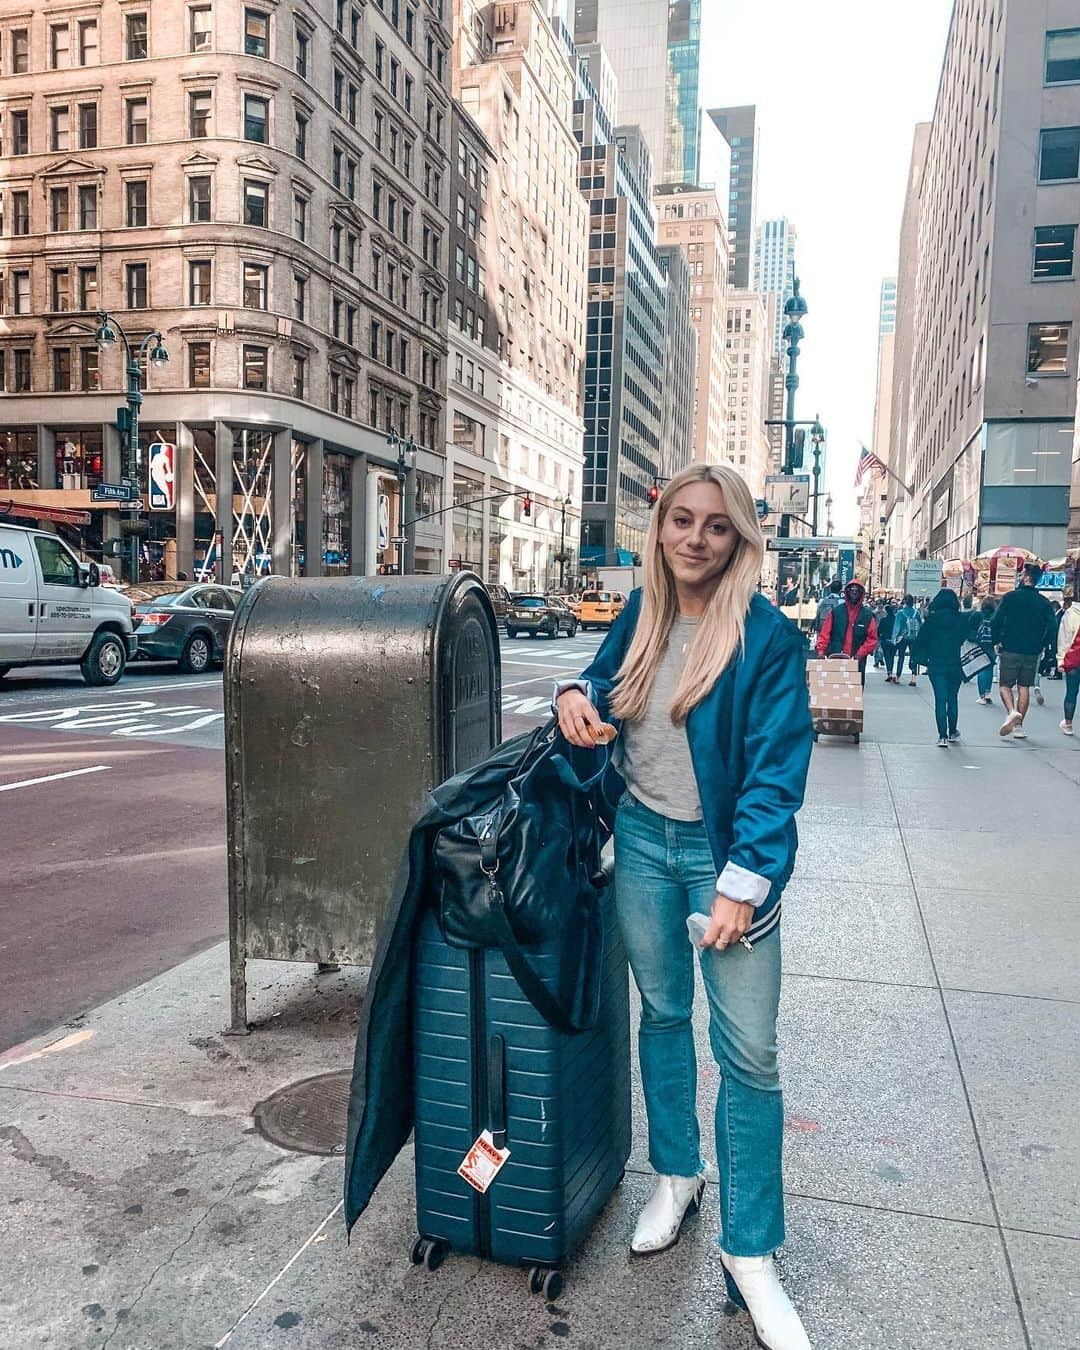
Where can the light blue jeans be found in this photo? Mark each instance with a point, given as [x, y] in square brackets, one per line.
[664, 871]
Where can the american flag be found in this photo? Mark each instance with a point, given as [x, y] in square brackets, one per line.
[869, 463]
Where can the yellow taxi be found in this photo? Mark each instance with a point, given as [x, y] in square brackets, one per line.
[600, 609]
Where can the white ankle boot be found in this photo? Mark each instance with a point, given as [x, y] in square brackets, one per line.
[753, 1284]
[662, 1219]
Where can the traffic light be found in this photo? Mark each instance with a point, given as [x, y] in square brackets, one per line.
[526, 505]
[654, 494]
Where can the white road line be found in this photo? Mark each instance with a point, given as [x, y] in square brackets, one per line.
[11, 695]
[52, 777]
[535, 680]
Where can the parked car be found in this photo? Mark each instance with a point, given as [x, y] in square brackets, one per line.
[500, 600]
[55, 611]
[182, 623]
[534, 614]
[600, 609]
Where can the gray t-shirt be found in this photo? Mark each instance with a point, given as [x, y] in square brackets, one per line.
[653, 755]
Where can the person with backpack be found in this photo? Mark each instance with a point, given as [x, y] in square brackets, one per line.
[905, 630]
[706, 682]
[832, 597]
[981, 631]
[938, 649]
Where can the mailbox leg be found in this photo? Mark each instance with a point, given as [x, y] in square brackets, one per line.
[238, 1025]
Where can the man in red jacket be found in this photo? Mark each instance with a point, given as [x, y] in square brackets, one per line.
[850, 629]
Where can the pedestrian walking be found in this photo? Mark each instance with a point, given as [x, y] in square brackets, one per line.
[708, 682]
[938, 649]
[832, 597]
[887, 640]
[982, 633]
[1068, 641]
[1019, 630]
[905, 631]
[850, 629]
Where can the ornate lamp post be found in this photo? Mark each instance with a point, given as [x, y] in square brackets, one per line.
[406, 459]
[105, 337]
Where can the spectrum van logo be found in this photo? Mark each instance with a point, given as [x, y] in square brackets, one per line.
[9, 559]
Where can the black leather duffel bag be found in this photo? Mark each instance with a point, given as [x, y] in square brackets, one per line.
[525, 868]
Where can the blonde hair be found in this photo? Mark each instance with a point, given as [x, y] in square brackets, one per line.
[721, 631]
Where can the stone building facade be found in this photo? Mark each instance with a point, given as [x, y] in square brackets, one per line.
[267, 185]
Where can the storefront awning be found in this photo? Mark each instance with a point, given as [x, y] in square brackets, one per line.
[60, 515]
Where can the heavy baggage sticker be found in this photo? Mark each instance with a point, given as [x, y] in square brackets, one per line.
[483, 1163]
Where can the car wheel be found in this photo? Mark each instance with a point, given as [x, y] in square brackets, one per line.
[105, 660]
[553, 631]
[573, 629]
[3, 671]
[197, 654]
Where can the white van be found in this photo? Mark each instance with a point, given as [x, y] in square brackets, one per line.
[54, 610]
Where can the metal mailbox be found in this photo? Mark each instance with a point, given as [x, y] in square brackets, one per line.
[347, 699]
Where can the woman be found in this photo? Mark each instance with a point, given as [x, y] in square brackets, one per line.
[707, 680]
[1068, 634]
[887, 638]
[938, 649]
[982, 633]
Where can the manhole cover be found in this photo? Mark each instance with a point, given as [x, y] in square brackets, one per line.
[307, 1116]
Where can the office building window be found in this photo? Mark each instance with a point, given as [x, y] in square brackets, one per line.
[20, 50]
[1063, 56]
[299, 376]
[303, 50]
[1054, 251]
[300, 218]
[200, 28]
[335, 391]
[199, 199]
[1048, 348]
[199, 105]
[1059, 154]
[135, 289]
[301, 136]
[88, 42]
[89, 371]
[299, 294]
[88, 213]
[59, 128]
[60, 289]
[254, 367]
[59, 200]
[137, 113]
[19, 127]
[88, 288]
[135, 207]
[136, 46]
[88, 126]
[61, 369]
[256, 285]
[256, 118]
[20, 213]
[256, 203]
[199, 365]
[59, 46]
[256, 33]
[199, 282]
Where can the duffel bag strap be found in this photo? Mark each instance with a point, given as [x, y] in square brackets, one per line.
[531, 985]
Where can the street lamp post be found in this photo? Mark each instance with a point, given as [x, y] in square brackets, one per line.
[817, 439]
[401, 447]
[566, 501]
[108, 327]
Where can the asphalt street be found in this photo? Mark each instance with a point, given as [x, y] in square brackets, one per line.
[112, 824]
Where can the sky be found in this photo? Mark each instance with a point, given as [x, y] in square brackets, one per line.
[839, 86]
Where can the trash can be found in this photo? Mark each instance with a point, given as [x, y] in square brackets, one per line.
[347, 699]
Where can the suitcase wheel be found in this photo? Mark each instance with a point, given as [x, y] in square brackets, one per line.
[546, 1282]
[429, 1252]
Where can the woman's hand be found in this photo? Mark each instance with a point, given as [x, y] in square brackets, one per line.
[730, 920]
[576, 716]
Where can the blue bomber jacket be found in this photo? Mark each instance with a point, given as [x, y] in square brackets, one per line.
[750, 743]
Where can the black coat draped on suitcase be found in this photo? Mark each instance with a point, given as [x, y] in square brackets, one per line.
[451, 1036]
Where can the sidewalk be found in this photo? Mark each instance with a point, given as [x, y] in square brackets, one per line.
[930, 1026]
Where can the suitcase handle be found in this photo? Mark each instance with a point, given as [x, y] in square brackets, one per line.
[497, 1091]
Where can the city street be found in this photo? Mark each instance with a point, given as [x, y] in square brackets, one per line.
[112, 824]
[927, 1030]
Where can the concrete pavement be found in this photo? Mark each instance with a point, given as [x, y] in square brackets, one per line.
[930, 1019]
